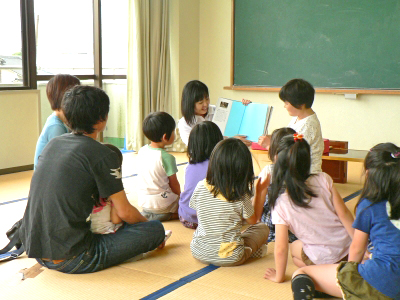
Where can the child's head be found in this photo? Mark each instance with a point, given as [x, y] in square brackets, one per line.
[382, 182]
[202, 140]
[195, 100]
[96, 197]
[230, 170]
[292, 167]
[298, 92]
[56, 88]
[117, 151]
[84, 107]
[276, 137]
[158, 124]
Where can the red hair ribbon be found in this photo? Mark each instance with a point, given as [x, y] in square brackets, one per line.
[297, 137]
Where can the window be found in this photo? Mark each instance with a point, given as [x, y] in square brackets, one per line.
[14, 54]
[64, 37]
[47, 37]
[114, 36]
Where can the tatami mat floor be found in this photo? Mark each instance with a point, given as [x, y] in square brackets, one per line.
[160, 268]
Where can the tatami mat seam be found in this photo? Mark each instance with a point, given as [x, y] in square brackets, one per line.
[182, 281]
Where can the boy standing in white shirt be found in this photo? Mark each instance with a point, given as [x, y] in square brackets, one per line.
[159, 189]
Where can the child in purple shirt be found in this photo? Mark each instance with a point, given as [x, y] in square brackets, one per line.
[202, 140]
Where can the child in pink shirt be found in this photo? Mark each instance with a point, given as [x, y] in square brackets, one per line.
[311, 208]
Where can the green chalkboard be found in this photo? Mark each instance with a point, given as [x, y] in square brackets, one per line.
[336, 44]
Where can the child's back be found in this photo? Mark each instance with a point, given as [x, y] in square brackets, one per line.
[155, 165]
[325, 239]
[383, 270]
[202, 141]
[158, 186]
[217, 238]
[222, 200]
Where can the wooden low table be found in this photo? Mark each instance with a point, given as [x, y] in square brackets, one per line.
[335, 163]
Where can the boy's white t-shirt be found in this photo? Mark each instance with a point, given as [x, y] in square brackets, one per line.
[155, 165]
[310, 128]
[185, 128]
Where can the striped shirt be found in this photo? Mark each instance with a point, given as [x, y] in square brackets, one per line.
[217, 239]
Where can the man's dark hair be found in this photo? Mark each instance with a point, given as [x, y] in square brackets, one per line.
[57, 86]
[202, 140]
[230, 170]
[194, 91]
[298, 92]
[155, 125]
[85, 106]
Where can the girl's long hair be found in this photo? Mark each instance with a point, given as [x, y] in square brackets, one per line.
[194, 91]
[382, 182]
[202, 140]
[292, 168]
[230, 170]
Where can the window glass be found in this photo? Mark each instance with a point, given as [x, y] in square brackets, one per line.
[11, 72]
[115, 130]
[64, 36]
[114, 26]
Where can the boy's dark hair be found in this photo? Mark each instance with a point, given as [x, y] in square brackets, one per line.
[156, 124]
[194, 91]
[230, 170]
[85, 106]
[202, 140]
[292, 168]
[96, 196]
[276, 137]
[382, 181]
[57, 86]
[298, 92]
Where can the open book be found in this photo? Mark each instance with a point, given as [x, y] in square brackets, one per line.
[234, 118]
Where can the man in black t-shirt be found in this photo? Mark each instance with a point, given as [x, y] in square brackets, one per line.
[71, 169]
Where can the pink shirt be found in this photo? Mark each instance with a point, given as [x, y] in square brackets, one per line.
[325, 239]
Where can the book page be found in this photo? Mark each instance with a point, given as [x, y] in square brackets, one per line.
[235, 119]
[221, 114]
[254, 121]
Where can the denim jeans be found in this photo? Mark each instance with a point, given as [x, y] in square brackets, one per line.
[107, 250]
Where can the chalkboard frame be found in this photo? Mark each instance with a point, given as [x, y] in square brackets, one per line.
[277, 88]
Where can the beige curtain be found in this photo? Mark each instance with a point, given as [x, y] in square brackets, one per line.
[148, 66]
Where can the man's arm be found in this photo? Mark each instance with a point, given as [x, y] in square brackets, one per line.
[125, 210]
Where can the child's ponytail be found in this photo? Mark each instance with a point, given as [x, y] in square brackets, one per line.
[382, 182]
[292, 168]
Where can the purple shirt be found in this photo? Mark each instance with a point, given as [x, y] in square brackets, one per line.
[193, 174]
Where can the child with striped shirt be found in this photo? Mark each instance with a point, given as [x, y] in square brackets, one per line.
[222, 201]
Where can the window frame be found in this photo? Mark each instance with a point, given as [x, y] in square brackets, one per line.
[30, 76]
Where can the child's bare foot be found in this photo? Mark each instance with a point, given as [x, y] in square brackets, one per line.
[167, 235]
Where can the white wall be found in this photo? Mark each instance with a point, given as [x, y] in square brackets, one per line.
[19, 127]
[364, 122]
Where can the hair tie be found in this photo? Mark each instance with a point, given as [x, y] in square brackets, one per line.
[297, 137]
[395, 154]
